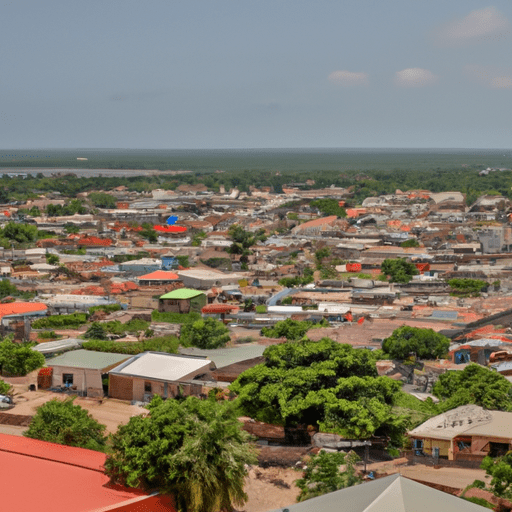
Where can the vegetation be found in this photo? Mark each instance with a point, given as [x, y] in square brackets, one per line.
[167, 344]
[183, 260]
[412, 242]
[467, 287]
[500, 469]
[323, 474]
[329, 207]
[60, 321]
[102, 200]
[194, 449]
[5, 388]
[399, 270]
[108, 308]
[243, 241]
[198, 238]
[291, 329]
[175, 318]
[306, 278]
[18, 359]
[424, 343]
[74, 206]
[324, 384]
[63, 422]
[205, 333]
[96, 331]
[474, 385]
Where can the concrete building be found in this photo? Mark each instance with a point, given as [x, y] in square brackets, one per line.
[182, 300]
[83, 370]
[203, 279]
[158, 373]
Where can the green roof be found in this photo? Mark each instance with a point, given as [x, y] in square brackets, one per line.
[87, 359]
[182, 293]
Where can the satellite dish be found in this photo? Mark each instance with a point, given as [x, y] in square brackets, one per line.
[172, 220]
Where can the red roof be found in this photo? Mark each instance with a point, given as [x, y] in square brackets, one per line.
[169, 229]
[48, 477]
[19, 308]
[160, 275]
[218, 308]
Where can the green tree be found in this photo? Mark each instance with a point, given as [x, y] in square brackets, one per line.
[102, 200]
[324, 384]
[323, 474]
[289, 329]
[412, 242]
[63, 422]
[205, 333]
[52, 259]
[329, 207]
[474, 385]
[399, 269]
[194, 449]
[21, 233]
[5, 388]
[18, 359]
[467, 287]
[6, 288]
[500, 469]
[96, 332]
[243, 240]
[425, 343]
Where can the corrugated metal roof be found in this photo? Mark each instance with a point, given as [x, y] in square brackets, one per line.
[87, 359]
[181, 294]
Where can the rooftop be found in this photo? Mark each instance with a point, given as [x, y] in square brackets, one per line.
[182, 294]
[87, 359]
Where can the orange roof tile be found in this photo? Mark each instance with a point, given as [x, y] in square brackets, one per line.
[160, 275]
[19, 308]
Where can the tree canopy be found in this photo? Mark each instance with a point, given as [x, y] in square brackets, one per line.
[329, 207]
[243, 240]
[205, 333]
[323, 384]
[425, 343]
[63, 422]
[194, 449]
[18, 359]
[500, 469]
[399, 269]
[323, 474]
[474, 385]
[467, 287]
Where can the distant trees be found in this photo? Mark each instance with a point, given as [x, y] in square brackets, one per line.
[474, 385]
[243, 240]
[102, 200]
[194, 449]
[63, 422]
[424, 343]
[399, 270]
[329, 207]
[467, 287]
[21, 233]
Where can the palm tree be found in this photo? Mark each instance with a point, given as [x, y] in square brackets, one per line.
[195, 450]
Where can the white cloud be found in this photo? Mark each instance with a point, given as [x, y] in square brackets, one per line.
[348, 78]
[492, 77]
[478, 25]
[415, 77]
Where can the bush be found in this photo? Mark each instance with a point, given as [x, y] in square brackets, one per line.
[175, 318]
[168, 344]
[60, 321]
[108, 308]
[96, 331]
[261, 309]
[47, 335]
[18, 359]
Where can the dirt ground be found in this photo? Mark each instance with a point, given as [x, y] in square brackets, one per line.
[270, 488]
[110, 412]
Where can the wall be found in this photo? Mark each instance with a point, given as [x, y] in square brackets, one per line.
[120, 387]
[84, 379]
[174, 305]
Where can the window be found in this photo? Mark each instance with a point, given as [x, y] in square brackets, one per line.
[67, 379]
[147, 387]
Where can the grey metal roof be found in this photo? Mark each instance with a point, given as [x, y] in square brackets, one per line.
[391, 493]
[87, 359]
[226, 356]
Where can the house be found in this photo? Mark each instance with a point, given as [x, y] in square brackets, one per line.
[16, 311]
[64, 478]
[205, 278]
[394, 492]
[141, 267]
[182, 300]
[467, 433]
[83, 371]
[157, 373]
[157, 278]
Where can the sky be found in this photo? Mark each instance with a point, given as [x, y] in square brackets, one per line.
[180, 74]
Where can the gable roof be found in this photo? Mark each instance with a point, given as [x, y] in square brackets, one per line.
[393, 492]
[182, 294]
[20, 308]
[159, 275]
